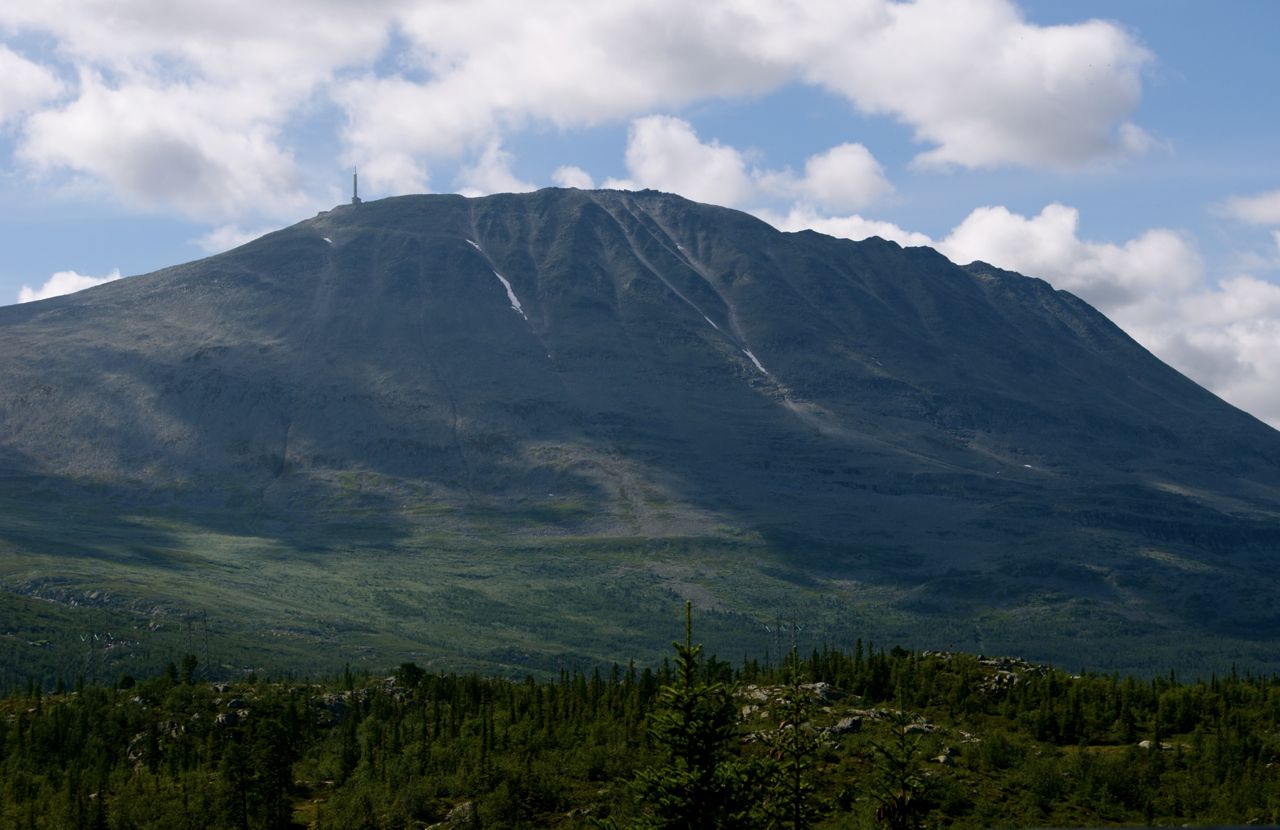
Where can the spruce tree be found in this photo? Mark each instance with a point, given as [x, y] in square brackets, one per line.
[898, 783]
[701, 784]
[793, 748]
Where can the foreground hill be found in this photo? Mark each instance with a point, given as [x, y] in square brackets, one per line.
[509, 430]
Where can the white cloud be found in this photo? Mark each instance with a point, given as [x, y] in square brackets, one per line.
[24, 85]
[282, 43]
[1226, 337]
[846, 177]
[480, 70]
[572, 176]
[984, 86]
[1014, 93]
[1145, 270]
[209, 152]
[847, 227]
[213, 91]
[63, 282]
[665, 153]
[182, 105]
[226, 237]
[1262, 209]
[491, 173]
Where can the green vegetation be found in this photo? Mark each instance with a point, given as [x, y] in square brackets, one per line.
[97, 594]
[836, 739]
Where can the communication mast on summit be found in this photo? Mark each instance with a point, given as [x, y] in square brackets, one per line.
[355, 186]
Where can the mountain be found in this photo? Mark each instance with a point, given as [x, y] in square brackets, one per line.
[517, 430]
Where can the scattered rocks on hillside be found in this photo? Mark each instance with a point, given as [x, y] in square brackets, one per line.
[845, 726]
[820, 690]
[920, 726]
[823, 691]
[462, 816]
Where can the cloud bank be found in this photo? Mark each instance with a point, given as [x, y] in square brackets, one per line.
[195, 107]
[665, 153]
[64, 282]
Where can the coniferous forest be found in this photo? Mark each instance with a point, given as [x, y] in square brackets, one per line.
[838, 738]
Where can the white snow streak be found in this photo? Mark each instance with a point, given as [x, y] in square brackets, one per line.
[754, 360]
[712, 322]
[327, 239]
[511, 295]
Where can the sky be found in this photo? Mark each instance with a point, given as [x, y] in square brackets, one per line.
[1124, 151]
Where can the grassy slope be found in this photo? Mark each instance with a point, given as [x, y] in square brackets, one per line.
[105, 594]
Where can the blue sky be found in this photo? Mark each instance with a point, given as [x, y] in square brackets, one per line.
[1123, 151]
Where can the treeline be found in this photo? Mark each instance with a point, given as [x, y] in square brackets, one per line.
[855, 738]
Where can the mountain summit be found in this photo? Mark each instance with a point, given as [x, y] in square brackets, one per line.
[454, 414]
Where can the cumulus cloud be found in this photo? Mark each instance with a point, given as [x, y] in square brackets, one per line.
[476, 69]
[210, 152]
[1226, 337]
[572, 176]
[182, 106]
[1015, 93]
[24, 85]
[491, 173]
[211, 91]
[666, 153]
[226, 237]
[1157, 264]
[848, 227]
[1261, 209]
[63, 282]
[846, 177]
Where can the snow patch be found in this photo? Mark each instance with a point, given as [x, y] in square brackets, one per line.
[327, 239]
[712, 322]
[511, 295]
[1028, 466]
[754, 359]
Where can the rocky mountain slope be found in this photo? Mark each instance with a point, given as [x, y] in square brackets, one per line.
[634, 396]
